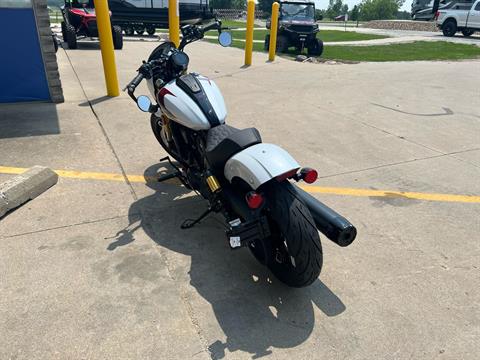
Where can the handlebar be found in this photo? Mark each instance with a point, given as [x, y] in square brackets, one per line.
[215, 25]
[132, 85]
[190, 33]
[135, 82]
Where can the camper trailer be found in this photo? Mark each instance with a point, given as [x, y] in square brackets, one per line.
[426, 9]
[139, 16]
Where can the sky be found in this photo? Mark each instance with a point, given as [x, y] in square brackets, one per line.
[323, 4]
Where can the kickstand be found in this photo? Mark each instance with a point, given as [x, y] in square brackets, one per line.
[189, 223]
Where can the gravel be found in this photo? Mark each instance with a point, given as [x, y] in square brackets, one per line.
[402, 25]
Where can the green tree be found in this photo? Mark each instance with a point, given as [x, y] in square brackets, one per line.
[344, 9]
[354, 13]
[379, 9]
[320, 14]
[239, 4]
[228, 4]
[265, 6]
[334, 8]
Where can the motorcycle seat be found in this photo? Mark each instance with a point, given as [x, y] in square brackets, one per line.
[224, 141]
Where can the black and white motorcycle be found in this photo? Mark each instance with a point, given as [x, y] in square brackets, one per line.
[246, 180]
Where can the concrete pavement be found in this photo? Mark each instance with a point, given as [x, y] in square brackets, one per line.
[100, 269]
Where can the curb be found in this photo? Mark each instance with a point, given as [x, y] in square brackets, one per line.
[27, 186]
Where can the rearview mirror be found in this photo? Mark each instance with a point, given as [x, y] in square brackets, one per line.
[225, 39]
[144, 103]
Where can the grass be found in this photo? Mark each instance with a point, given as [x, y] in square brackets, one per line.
[337, 36]
[236, 24]
[325, 35]
[418, 50]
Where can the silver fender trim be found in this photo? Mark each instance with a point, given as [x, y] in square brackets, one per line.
[259, 163]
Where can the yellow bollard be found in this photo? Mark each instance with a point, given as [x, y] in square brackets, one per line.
[106, 47]
[249, 34]
[272, 47]
[174, 22]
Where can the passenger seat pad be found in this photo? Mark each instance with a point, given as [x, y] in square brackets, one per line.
[224, 141]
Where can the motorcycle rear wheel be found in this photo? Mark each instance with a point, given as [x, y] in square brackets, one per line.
[295, 252]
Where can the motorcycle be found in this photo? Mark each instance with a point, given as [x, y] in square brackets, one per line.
[249, 182]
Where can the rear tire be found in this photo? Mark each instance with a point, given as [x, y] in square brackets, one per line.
[449, 28]
[140, 30]
[315, 48]
[64, 30]
[117, 37]
[71, 36]
[296, 256]
[282, 44]
[55, 43]
[266, 45]
[467, 33]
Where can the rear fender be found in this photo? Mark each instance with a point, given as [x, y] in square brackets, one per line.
[259, 163]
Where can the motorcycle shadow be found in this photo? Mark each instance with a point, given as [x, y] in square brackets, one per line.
[255, 311]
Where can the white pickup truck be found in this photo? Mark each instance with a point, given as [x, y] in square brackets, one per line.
[464, 17]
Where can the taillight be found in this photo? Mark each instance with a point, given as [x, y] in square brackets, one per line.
[308, 175]
[254, 200]
[437, 14]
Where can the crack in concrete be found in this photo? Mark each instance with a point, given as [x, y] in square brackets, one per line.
[64, 226]
[401, 163]
[183, 295]
[447, 111]
[104, 132]
[441, 153]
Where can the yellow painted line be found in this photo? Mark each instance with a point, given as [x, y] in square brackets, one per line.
[310, 188]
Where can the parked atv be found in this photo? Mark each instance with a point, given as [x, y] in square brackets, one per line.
[297, 27]
[79, 20]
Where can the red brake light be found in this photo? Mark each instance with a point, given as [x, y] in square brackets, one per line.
[254, 200]
[309, 175]
[437, 14]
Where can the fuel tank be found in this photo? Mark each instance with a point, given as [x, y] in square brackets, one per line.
[193, 101]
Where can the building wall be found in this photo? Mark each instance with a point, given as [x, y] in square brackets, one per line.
[29, 70]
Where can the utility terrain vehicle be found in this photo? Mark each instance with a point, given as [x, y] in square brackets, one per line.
[79, 20]
[297, 27]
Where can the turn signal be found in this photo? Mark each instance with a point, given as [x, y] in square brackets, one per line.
[254, 200]
[309, 175]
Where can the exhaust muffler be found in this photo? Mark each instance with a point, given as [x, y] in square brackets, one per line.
[333, 225]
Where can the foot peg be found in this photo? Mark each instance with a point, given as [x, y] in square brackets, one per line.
[176, 174]
[168, 176]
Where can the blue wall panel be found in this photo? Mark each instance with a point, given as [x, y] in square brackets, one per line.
[22, 73]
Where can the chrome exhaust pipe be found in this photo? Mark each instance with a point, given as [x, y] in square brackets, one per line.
[333, 225]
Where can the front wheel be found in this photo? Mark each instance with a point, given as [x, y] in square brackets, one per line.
[294, 250]
[71, 36]
[315, 48]
[282, 44]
